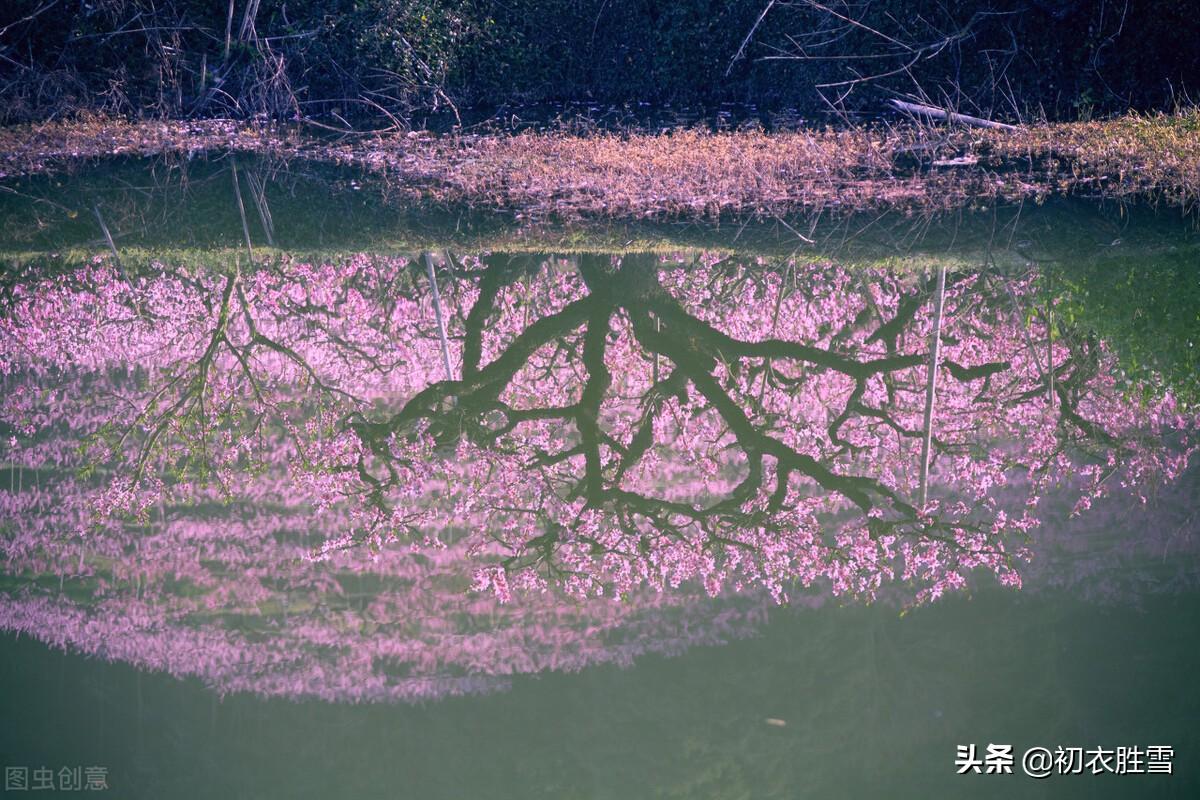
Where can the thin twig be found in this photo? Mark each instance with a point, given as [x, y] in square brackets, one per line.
[437, 310]
[746, 41]
[931, 384]
[237, 192]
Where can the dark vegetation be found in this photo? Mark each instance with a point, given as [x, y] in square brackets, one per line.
[1148, 310]
[392, 63]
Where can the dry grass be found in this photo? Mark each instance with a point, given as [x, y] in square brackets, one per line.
[27, 149]
[689, 174]
[1137, 154]
[685, 174]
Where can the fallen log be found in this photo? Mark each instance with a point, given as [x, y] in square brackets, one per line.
[950, 116]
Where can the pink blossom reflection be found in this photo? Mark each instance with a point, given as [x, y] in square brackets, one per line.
[264, 478]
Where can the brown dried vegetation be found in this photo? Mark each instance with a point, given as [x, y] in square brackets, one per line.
[1158, 155]
[692, 174]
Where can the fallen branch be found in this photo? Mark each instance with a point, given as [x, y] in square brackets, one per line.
[950, 116]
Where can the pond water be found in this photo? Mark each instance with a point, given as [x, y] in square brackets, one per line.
[307, 491]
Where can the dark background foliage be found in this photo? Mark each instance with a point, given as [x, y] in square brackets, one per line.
[342, 60]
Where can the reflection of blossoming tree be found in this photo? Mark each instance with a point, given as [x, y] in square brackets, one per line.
[616, 422]
[202, 567]
[224, 592]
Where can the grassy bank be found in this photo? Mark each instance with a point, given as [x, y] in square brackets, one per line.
[689, 174]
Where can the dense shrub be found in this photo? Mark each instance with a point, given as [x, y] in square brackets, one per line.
[281, 58]
[347, 58]
[1063, 57]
